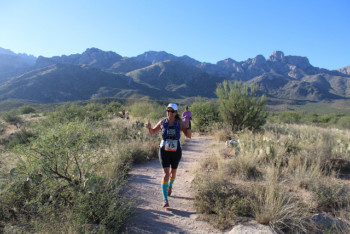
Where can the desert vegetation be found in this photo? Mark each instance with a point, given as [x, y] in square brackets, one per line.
[291, 173]
[64, 169]
[66, 172]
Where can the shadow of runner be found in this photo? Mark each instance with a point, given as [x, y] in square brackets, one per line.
[184, 198]
[181, 212]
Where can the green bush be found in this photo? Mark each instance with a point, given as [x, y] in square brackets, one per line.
[58, 172]
[220, 202]
[344, 122]
[12, 118]
[114, 108]
[91, 112]
[240, 107]
[141, 109]
[331, 196]
[26, 110]
[19, 138]
[325, 120]
[2, 128]
[204, 114]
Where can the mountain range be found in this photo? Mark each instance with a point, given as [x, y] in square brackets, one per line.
[161, 75]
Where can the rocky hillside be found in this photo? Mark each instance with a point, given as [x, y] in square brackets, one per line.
[64, 82]
[12, 64]
[160, 75]
[345, 70]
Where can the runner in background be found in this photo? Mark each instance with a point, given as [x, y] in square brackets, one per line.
[186, 117]
[123, 113]
[170, 151]
[127, 116]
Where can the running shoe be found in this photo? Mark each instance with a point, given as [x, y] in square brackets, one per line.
[169, 191]
[165, 203]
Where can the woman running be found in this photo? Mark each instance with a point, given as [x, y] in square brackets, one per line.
[170, 151]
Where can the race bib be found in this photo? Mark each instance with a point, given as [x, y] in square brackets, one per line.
[170, 145]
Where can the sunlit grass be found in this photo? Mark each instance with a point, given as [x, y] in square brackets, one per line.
[284, 171]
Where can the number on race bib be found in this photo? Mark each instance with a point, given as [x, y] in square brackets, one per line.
[170, 145]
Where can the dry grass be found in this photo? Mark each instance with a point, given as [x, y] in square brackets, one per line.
[283, 172]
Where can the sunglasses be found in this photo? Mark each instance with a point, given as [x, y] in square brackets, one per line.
[172, 111]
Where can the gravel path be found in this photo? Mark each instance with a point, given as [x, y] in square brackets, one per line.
[180, 217]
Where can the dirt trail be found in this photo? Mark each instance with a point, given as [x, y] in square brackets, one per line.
[180, 217]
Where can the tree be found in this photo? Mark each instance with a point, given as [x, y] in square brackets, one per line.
[204, 113]
[239, 105]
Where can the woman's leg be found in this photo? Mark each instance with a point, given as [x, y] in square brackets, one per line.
[171, 180]
[165, 181]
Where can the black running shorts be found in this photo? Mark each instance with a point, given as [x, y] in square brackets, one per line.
[169, 158]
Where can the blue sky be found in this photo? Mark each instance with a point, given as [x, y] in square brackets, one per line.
[205, 30]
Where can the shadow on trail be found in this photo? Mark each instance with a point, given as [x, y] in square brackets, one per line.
[153, 224]
[144, 179]
[184, 198]
[181, 212]
[192, 150]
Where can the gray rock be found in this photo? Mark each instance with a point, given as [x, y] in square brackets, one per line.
[232, 143]
[325, 221]
[250, 228]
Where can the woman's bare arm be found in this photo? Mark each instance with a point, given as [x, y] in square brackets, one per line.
[154, 130]
[184, 128]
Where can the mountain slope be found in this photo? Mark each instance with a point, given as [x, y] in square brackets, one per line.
[345, 70]
[60, 83]
[93, 57]
[12, 65]
[97, 73]
[176, 79]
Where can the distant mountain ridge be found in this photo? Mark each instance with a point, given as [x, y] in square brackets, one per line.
[96, 73]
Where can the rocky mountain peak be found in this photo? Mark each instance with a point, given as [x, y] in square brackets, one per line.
[345, 70]
[276, 56]
[226, 62]
[298, 61]
[259, 60]
[99, 54]
[155, 56]
[6, 51]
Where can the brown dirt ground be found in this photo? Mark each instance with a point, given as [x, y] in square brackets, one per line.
[181, 216]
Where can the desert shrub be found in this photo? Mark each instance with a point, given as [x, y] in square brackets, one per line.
[344, 122]
[282, 171]
[305, 170]
[331, 196]
[102, 204]
[11, 117]
[204, 113]
[141, 109]
[221, 202]
[309, 117]
[221, 131]
[324, 120]
[148, 110]
[19, 138]
[67, 113]
[240, 107]
[243, 167]
[26, 110]
[91, 112]
[2, 128]
[59, 171]
[274, 206]
[114, 108]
